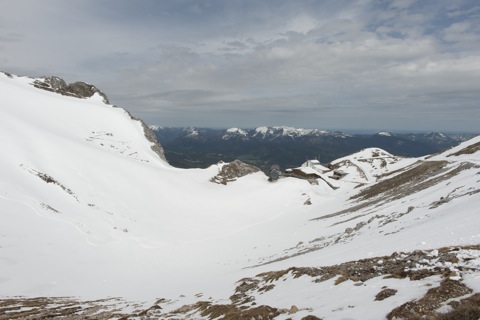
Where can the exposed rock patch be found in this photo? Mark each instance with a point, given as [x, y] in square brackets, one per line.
[7, 74]
[77, 89]
[310, 317]
[426, 306]
[232, 171]
[449, 263]
[231, 312]
[49, 179]
[415, 178]
[59, 308]
[150, 136]
[471, 149]
[465, 309]
[384, 294]
[401, 184]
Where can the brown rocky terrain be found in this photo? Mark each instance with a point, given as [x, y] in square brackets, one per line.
[450, 263]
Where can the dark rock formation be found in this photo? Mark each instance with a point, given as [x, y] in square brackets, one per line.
[77, 89]
[232, 171]
[7, 74]
[150, 136]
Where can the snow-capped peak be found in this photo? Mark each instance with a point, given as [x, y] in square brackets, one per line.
[191, 132]
[155, 127]
[235, 132]
[291, 132]
[385, 134]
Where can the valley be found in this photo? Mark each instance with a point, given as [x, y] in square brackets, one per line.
[97, 224]
[289, 147]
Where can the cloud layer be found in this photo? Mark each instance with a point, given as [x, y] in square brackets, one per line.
[344, 64]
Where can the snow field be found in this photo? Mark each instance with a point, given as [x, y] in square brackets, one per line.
[87, 209]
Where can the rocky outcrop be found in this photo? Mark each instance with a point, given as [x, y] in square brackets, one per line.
[232, 171]
[7, 74]
[150, 136]
[449, 265]
[77, 89]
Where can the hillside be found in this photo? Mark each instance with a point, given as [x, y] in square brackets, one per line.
[96, 224]
[288, 147]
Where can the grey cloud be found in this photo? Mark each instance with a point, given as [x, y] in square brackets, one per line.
[237, 44]
[186, 98]
[313, 62]
[12, 37]
[272, 78]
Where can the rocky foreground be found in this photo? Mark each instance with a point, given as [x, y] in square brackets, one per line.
[451, 299]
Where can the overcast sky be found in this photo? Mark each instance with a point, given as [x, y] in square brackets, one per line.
[327, 64]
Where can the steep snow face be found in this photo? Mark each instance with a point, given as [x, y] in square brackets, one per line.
[68, 166]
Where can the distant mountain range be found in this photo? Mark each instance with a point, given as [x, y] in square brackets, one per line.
[288, 147]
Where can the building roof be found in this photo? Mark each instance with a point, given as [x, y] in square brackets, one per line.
[315, 164]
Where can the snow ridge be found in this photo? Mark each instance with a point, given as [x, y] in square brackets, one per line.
[277, 132]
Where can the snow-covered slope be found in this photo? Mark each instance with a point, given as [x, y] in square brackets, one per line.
[276, 132]
[82, 190]
[89, 210]
[235, 133]
[368, 164]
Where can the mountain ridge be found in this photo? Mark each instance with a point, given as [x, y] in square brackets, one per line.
[275, 132]
[288, 147]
